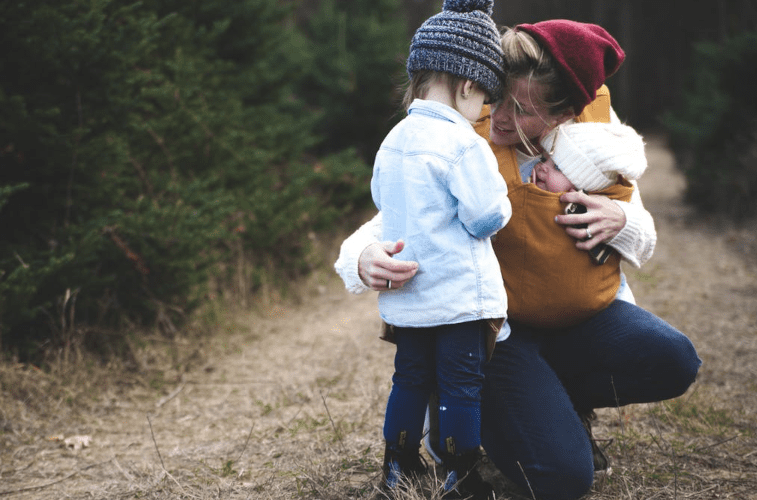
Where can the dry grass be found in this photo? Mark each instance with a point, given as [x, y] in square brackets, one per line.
[286, 400]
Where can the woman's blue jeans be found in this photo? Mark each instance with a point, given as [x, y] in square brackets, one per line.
[449, 359]
[538, 381]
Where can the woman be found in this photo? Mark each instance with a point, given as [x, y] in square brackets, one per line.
[542, 384]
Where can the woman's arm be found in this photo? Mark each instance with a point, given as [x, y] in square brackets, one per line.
[626, 226]
[365, 263]
[636, 241]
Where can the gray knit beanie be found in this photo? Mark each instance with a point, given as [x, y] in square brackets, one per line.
[592, 155]
[461, 40]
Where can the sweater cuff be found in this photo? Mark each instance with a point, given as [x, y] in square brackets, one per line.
[625, 242]
[346, 265]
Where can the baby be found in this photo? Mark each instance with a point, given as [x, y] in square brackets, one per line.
[589, 157]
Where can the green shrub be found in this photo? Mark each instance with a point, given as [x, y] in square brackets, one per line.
[143, 146]
[714, 131]
[359, 52]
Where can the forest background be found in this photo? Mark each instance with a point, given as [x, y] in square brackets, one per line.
[163, 161]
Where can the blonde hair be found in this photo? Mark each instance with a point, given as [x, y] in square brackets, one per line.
[526, 59]
[417, 87]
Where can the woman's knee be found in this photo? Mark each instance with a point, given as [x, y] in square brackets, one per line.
[571, 487]
[669, 354]
[549, 468]
[568, 481]
[683, 366]
[677, 357]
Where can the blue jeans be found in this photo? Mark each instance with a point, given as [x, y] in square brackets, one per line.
[538, 381]
[450, 360]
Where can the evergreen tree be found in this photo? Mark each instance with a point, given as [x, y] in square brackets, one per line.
[714, 130]
[141, 143]
[358, 65]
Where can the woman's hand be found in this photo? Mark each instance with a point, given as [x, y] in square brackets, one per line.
[378, 269]
[604, 217]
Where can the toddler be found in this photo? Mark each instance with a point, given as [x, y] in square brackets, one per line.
[437, 185]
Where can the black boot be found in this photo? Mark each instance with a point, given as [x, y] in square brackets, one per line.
[399, 461]
[432, 438]
[463, 478]
[601, 461]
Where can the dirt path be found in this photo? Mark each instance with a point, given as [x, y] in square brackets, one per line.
[291, 404]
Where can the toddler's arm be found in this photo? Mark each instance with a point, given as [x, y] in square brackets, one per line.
[481, 192]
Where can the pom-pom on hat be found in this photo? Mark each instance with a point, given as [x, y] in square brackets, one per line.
[461, 40]
[586, 53]
[592, 155]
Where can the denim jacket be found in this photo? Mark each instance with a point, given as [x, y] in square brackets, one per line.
[437, 185]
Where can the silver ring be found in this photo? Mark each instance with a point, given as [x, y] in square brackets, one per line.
[389, 284]
[588, 234]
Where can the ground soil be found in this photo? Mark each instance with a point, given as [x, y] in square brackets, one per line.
[287, 399]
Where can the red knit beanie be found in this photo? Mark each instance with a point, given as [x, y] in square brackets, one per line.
[587, 54]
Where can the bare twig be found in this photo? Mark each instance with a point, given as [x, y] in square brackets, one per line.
[23, 264]
[177, 483]
[162, 464]
[170, 396]
[125, 473]
[714, 486]
[617, 406]
[42, 486]
[621, 424]
[295, 416]
[246, 442]
[155, 443]
[673, 457]
[338, 435]
[527, 481]
[697, 450]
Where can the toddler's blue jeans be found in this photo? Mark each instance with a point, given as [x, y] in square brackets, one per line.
[450, 359]
[538, 381]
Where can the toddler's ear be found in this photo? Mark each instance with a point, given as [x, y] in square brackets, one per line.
[466, 88]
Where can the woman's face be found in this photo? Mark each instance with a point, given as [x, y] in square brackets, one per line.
[520, 109]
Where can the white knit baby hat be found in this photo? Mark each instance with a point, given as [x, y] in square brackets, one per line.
[592, 155]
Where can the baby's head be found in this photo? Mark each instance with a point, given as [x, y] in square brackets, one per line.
[463, 42]
[590, 156]
[547, 176]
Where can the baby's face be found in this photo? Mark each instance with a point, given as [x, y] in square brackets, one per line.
[547, 176]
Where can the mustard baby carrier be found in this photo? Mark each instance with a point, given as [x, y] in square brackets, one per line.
[549, 282]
